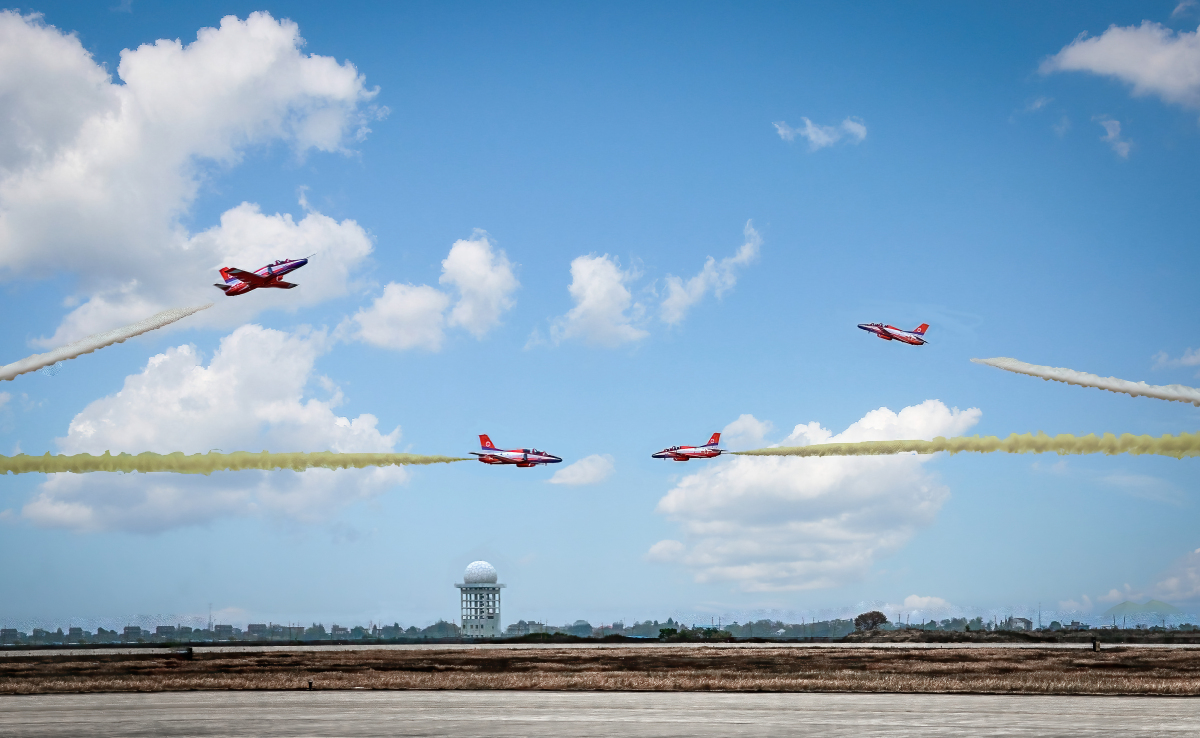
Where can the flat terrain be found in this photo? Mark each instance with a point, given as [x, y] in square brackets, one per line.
[1048, 671]
[570, 714]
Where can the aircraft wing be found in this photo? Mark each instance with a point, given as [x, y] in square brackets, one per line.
[247, 277]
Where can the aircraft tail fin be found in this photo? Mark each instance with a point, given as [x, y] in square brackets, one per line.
[485, 442]
[225, 275]
[920, 330]
[716, 438]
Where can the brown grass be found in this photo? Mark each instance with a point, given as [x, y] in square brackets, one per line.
[1129, 671]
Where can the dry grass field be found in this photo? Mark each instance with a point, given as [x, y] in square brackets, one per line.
[1125, 671]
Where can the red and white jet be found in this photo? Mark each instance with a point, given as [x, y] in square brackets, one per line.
[915, 337]
[683, 453]
[519, 456]
[239, 281]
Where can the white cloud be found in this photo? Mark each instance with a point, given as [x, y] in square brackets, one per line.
[1038, 103]
[1191, 357]
[604, 312]
[1153, 58]
[405, 316]
[667, 552]
[251, 396]
[745, 433]
[1146, 487]
[588, 470]
[1084, 604]
[917, 602]
[484, 279]
[786, 523]
[1181, 582]
[4, 398]
[818, 137]
[925, 421]
[408, 316]
[97, 179]
[1116, 595]
[717, 277]
[1112, 136]
[1183, 7]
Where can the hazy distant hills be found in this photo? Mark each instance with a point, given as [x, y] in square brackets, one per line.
[1153, 607]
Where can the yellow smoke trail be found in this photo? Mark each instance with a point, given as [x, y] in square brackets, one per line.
[1181, 446]
[96, 341]
[207, 463]
[1170, 392]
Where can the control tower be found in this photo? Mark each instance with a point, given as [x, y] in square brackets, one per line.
[480, 601]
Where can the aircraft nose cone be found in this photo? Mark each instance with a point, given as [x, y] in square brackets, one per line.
[554, 459]
[864, 326]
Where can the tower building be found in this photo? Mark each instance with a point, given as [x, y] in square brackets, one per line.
[480, 601]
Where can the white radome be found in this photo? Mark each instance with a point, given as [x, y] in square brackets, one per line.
[479, 572]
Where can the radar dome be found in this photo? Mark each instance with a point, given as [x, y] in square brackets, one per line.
[480, 572]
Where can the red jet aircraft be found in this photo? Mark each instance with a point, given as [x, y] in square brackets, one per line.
[683, 453]
[520, 456]
[915, 337]
[239, 281]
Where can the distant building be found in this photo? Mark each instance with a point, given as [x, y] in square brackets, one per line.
[132, 633]
[1019, 624]
[223, 632]
[523, 628]
[76, 634]
[480, 600]
[164, 631]
[257, 631]
[10, 635]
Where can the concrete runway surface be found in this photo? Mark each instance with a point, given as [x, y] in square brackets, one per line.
[568, 714]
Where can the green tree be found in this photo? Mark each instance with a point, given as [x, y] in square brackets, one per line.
[870, 620]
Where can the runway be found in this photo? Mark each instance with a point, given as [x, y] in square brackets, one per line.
[491, 714]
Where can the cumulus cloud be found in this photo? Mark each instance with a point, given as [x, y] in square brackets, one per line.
[604, 313]
[1083, 604]
[786, 523]
[97, 179]
[407, 316]
[1183, 7]
[1163, 360]
[745, 433]
[251, 396]
[1117, 595]
[485, 282]
[588, 470]
[917, 602]
[717, 277]
[1181, 581]
[1038, 103]
[1112, 136]
[852, 130]
[1152, 58]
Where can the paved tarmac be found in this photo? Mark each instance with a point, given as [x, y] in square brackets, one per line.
[496, 714]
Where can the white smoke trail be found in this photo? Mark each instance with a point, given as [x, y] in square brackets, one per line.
[1171, 392]
[97, 341]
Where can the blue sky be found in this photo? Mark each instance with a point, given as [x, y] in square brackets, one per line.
[980, 186]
